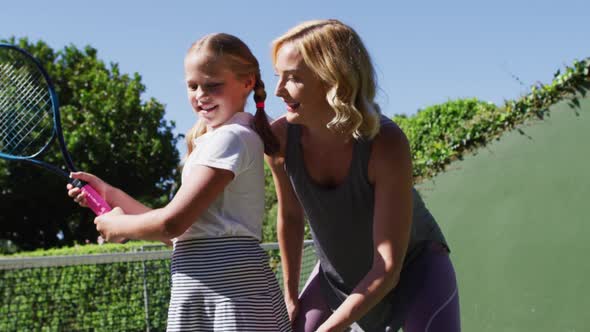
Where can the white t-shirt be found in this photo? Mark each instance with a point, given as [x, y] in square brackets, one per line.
[239, 209]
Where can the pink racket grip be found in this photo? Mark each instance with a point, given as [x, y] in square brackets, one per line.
[95, 202]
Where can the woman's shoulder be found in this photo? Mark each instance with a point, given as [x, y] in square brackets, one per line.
[280, 128]
[390, 144]
[389, 133]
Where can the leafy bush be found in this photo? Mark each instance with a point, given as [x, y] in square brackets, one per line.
[438, 133]
[441, 133]
[109, 130]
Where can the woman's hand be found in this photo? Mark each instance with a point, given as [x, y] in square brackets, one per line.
[107, 226]
[292, 308]
[322, 328]
[95, 182]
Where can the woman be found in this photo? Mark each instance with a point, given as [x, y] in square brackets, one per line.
[384, 262]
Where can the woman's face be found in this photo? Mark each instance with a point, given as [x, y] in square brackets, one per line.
[214, 92]
[301, 90]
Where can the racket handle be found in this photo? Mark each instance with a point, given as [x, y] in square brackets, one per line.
[95, 202]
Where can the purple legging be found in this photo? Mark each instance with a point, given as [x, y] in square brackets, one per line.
[428, 282]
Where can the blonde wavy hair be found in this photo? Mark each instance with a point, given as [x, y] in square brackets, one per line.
[337, 55]
[232, 53]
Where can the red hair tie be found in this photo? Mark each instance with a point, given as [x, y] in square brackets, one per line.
[260, 104]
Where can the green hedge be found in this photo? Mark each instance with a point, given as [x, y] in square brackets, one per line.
[441, 133]
[101, 297]
[437, 133]
[87, 249]
[84, 297]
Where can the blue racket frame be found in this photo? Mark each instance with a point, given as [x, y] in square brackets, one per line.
[57, 129]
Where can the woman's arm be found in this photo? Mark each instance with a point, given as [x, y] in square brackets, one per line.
[290, 222]
[390, 169]
[193, 198]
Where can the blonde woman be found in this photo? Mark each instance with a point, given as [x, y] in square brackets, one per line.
[384, 263]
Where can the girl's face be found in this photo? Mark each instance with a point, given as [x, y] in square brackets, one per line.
[302, 91]
[215, 93]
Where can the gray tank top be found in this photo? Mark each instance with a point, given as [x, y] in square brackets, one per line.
[341, 218]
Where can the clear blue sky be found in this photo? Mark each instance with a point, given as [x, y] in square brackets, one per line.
[425, 52]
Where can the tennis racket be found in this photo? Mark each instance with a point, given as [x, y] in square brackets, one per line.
[30, 119]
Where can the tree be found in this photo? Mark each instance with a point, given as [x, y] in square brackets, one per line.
[109, 131]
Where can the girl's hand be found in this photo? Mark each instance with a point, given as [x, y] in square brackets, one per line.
[99, 185]
[107, 226]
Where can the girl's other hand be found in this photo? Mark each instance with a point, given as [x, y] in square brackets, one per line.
[108, 227]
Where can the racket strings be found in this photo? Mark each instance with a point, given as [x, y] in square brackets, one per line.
[21, 84]
[25, 110]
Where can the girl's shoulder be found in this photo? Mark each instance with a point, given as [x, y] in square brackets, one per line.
[229, 141]
[238, 127]
[237, 135]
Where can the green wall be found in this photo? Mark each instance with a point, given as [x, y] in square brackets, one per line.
[516, 217]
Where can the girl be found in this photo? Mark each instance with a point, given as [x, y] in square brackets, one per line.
[384, 262]
[221, 280]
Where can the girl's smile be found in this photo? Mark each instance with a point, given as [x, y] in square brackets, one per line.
[214, 92]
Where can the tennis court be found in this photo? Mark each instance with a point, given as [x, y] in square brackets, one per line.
[514, 214]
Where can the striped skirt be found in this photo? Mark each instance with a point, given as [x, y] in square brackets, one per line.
[224, 284]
